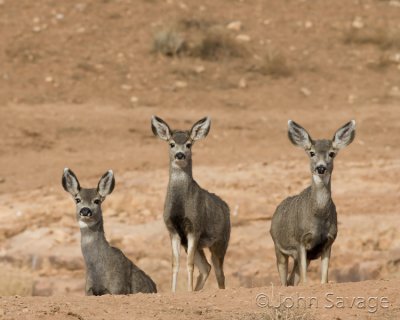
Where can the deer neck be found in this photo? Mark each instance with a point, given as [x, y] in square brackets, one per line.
[180, 178]
[92, 238]
[321, 191]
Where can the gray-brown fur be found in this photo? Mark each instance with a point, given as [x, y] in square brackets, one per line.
[195, 218]
[108, 270]
[304, 226]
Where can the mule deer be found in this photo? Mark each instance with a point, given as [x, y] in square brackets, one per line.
[195, 218]
[304, 227]
[108, 270]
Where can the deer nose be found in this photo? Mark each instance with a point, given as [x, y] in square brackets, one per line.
[85, 212]
[321, 169]
[180, 156]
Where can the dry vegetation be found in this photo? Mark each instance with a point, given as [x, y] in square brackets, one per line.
[198, 39]
[15, 281]
[273, 64]
[383, 38]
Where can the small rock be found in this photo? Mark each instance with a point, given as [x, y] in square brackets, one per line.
[126, 87]
[183, 6]
[49, 79]
[59, 16]
[36, 20]
[25, 310]
[36, 29]
[243, 38]
[199, 69]
[394, 3]
[1, 2]
[235, 25]
[305, 91]
[395, 57]
[134, 99]
[358, 23]
[394, 92]
[351, 98]
[308, 24]
[242, 83]
[180, 84]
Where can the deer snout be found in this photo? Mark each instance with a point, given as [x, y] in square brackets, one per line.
[180, 156]
[321, 169]
[85, 212]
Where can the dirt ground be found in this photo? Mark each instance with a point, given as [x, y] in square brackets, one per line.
[79, 81]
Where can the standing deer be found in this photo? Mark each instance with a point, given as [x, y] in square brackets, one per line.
[304, 226]
[108, 270]
[195, 218]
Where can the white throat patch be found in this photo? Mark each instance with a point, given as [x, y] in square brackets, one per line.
[322, 195]
[84, 225]
[321, 180]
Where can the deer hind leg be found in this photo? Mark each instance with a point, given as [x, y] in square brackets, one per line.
[325, 257]
[294, 277]
[176, 248]
[303, 264]
[204, 267]
[218, 251]
[191, 251]
[282, 264]
[218, 264]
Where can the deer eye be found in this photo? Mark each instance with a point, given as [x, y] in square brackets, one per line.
[97, 201]
[332, 154]
[312, 154]
[77, 200]
[172, 145]
[188, 145]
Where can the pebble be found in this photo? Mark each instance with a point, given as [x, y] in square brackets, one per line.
[243, 38]
[199, 69]
[126, 87]
[235, 25]
[134, 99]
[242, 83]
[305, 91]
[394, 3]
[308, 24]
[180, 84]
[358, 23]
[394, 92]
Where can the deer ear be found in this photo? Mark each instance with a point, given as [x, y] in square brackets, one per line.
[345, 135]
[200, 129]
[160, 128]
[70, 182]
[298, 135]
[106, 184]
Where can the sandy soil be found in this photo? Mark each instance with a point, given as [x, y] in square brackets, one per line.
[78, 86]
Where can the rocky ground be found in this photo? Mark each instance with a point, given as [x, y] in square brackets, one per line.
[79, 83]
